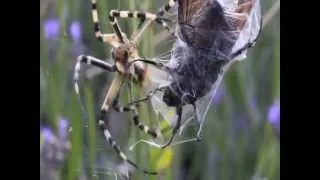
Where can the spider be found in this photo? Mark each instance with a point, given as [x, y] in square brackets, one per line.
[124, 54]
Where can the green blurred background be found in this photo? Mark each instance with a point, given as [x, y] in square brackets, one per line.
[242, 129]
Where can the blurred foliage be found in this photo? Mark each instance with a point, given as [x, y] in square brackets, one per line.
[239, 142]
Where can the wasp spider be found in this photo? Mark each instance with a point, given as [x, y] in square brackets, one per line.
[124, 51]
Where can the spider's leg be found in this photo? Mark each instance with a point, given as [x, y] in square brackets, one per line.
[83, 59]
[174, 131]
[133, 108]
[142, 16]
[158, 65]
[115, 26]
[89, 60]
[166, 8]
[135, 118]
[102, 37]
[112, 93]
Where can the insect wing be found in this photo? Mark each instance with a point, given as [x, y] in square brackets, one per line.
[202, 23]
[252, 27]
[186, 10]
[249, 33]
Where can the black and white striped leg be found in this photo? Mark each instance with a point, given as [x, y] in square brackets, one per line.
[135, 118]
[132, 106]
[97, 30]
[83, 59]
[115, 25]
[142, 16]
[105, 129]
[166, 8]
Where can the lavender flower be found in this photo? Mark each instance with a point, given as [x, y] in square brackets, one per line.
[51, 28]
[274, 113]
[53, 149]
[47, 135]
[274, 117]
[75, 31]
[63, 129]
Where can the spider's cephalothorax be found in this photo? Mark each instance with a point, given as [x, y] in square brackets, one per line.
[124, 53]
[120, 55]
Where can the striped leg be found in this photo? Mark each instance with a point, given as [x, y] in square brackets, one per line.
[135, 118]
[173, 134]
[104, 127]
[158, 65]
[132, 106]
[110, 38]
[177, 126]
[142, 16]
[166, 8]
[82, 59]
[108, 102]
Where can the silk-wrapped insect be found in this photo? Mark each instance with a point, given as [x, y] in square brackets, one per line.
[211, 36]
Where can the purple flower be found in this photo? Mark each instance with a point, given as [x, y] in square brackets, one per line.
[274, 113]
[54, 148]
[75, 31]
[274, 117]
[51, 28]
[63, 128]
[47, 135]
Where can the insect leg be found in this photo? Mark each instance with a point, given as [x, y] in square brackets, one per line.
[112, 92]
